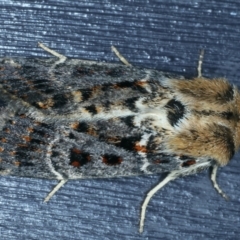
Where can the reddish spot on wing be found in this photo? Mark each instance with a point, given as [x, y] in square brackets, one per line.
[79, 158]
[140, 148]
[111, 159]
[188, 163]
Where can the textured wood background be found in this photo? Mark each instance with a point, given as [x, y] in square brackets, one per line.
[166, 35]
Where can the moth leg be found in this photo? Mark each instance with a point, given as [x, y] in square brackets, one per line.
[119, 55]
[55, 189]
[54, 53]
[215, 184]
[200, 61]
[171, 176]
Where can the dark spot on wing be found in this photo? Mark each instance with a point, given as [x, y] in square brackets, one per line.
[129, 143]
[71, 136]
[22, 154]
[83, 71]
[60, 100]
[26, 164]
[115, 72]
[43, 85]
[39, 132]
[86, 94]
[79, 158]
[36, 141]
[80, 126]
[129, 120]
[228, 115]
[91, 109]
[84, 128]
[188, 163]
[55, 154]
[111, 159]
[124, 84]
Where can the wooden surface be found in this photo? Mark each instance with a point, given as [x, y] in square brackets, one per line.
[166, 35]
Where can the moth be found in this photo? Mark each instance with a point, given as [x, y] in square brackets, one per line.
[73, 119]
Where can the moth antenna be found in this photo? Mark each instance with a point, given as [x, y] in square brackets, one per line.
[200, 61]
[61, 57]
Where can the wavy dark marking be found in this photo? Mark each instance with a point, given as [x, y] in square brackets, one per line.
[131, 103]
[176, 111]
